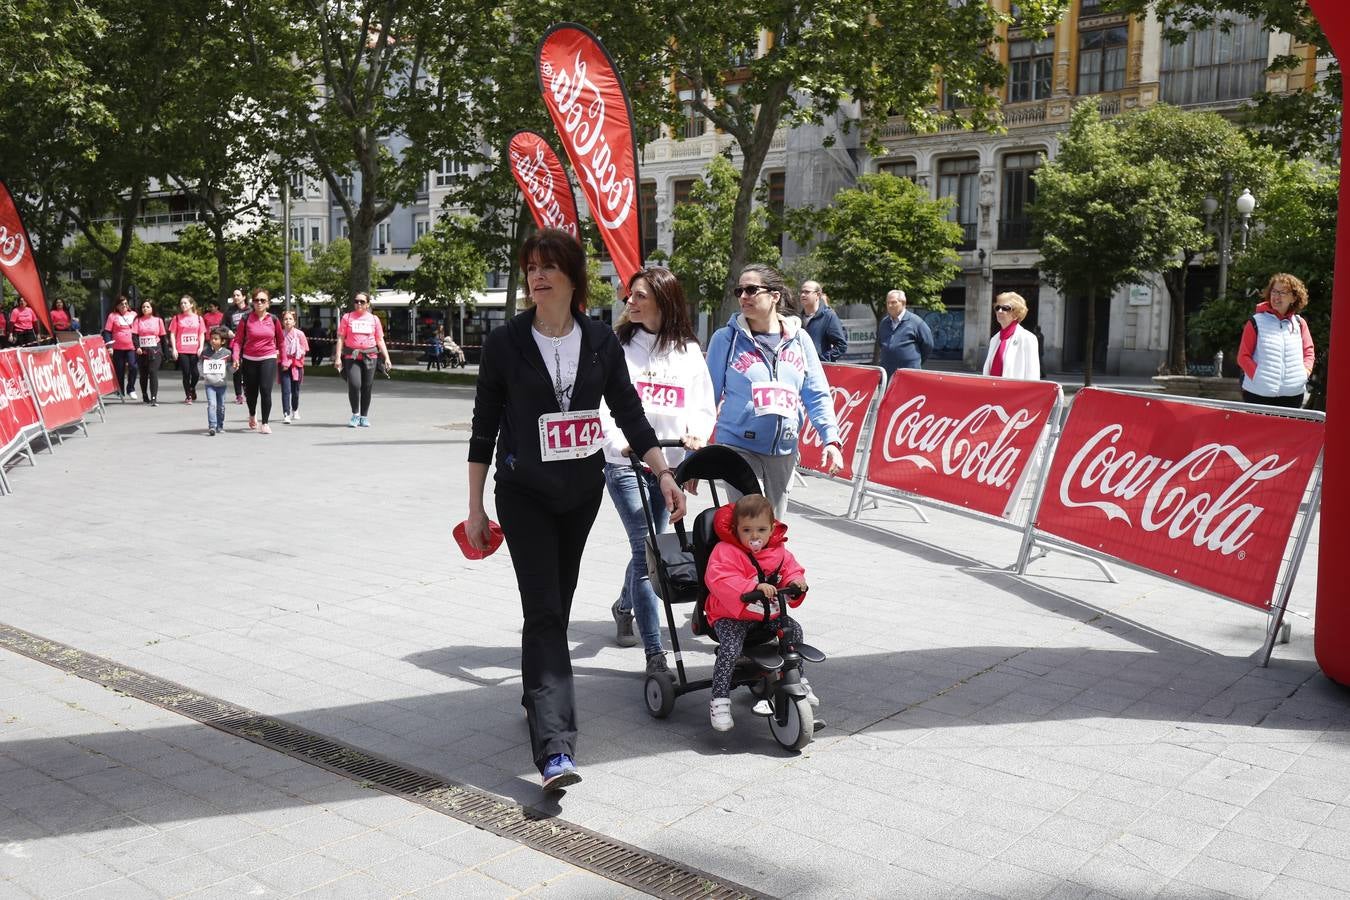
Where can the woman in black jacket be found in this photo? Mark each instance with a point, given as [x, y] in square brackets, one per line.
[540, 382]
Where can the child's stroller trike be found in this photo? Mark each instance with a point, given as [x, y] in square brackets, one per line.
[769, 666]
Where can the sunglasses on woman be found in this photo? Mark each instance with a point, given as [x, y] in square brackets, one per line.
[748, 290]
[1002, 309]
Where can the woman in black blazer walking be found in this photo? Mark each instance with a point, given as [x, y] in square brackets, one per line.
[540, 382]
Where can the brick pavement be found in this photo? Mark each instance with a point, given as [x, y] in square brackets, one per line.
[1054, 736]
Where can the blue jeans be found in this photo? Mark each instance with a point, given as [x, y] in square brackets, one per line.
[638, 596]
[215, 406]
[290, 393]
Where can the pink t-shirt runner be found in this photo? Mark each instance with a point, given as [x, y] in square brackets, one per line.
[360, 331]
[149, 329]
[257, 338]
[119, 326]
[189, 332]
[22, 319]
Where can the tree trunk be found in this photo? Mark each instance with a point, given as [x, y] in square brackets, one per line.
[1091, 334]
[518, 231]
[359, 234]
[1175, 280]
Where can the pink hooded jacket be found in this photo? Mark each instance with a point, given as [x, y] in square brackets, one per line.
[730, 572]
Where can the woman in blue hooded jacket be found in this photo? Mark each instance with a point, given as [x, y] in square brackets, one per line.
[768, 380]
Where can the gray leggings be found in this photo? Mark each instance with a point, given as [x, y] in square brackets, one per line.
[360, 375]
[731, 640]
[774, 474]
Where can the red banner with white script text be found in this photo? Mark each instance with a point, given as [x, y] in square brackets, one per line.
[961, 439]
[50, 382]
[852, 388]
[16, 259]
[1207, 496]
[589, 106]
[543, 181]
[80, 377]
[17, 409]
[100, 365]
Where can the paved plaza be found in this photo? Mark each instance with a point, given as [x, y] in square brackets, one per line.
[1052, 736]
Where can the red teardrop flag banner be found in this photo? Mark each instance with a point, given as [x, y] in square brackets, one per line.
[589, 106]
[543, 181]
[16, 259]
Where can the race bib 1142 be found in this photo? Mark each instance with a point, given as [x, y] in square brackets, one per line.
[569, 435]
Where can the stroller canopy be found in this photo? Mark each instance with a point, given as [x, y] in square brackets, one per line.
[721, 463]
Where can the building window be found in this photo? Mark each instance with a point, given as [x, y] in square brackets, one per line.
[298, 184]
[421, 225]
[1019, 192]
[905, 168]
[681, 190]
[950, 99]
[694, 123]
[449, 171]
[1089, 8]
[647, 210]
[298, 235]
[1030, 67]
[382, 238]
[777, 196]
[343, 231]
[1213, 64]
[1101, 60]
[959, 179]
[315, 233]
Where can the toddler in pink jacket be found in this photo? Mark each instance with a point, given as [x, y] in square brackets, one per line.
[750, 556]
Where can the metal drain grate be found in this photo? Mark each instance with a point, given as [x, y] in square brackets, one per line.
[581, 847]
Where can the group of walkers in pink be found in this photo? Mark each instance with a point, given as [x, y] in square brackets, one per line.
[249, 347]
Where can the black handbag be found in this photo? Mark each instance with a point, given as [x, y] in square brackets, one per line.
[673, 555]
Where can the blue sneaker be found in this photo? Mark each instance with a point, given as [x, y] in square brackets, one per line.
[560, 772]
[365, 422]
[353, 422]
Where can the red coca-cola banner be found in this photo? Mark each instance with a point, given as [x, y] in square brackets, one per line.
[589, 106]
[543, 181]
[80, 377]
[961, 439]
[16, 258]
[852, 388]
[1207, 496]
[17, 409]
[100, 365]
[49, 380]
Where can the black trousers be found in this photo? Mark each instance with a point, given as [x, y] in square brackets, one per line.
[360, 375]
[1295, 402]
[259, 376]
[187, 364]
[149, 364]
[124, 362]
[546, 552]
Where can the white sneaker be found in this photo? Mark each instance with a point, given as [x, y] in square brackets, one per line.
[811, 697]
[295, 417]
[131, 395]
[762, 707]
[719, 713]
[286, 419]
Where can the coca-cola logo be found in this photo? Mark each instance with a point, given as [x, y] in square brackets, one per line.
[1181, 495]
[12, 246]
[48, 381]
[101, 365]
[929, 441]
[845, 402]
[80, 376]
[534, 173]
[583, 109]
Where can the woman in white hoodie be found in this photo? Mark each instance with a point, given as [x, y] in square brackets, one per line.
[665, 364]
[1013, 351]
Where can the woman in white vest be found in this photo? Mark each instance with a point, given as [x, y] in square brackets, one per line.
[1276, 354]
[1013, 351]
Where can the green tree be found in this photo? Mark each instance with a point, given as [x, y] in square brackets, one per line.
[819, 55]
[1103, 219]
[703, 235]
[1298, 236]
[1200, 148]
[450, 267]
[330, 276]
[886, 234]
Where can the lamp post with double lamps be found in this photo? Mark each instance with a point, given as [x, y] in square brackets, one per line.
[1223, 232]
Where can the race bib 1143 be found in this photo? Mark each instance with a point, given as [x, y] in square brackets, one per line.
[774, 398]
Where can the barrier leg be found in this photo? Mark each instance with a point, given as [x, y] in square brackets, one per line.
[1277, 627]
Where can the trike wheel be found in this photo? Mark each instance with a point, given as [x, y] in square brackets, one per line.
[791, 723]
[659, 693]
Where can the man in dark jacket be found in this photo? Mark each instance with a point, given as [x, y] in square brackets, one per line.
[905, 339]
[821, 322]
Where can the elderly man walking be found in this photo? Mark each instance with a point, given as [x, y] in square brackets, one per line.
[904, 338]
[822, 323]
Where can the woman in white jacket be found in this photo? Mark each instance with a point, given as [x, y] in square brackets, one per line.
[1013, 351]
[666, 366]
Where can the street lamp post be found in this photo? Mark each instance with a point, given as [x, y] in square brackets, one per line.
[1246, 205]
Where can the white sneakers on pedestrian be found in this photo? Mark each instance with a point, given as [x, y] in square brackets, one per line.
[811, 697]
[719, 713]
[295, 416]
[286, 419]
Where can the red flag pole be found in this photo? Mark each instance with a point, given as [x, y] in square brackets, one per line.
[16, 259]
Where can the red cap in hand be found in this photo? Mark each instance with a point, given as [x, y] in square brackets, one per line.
[462, 538]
